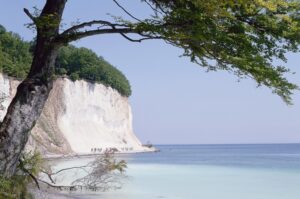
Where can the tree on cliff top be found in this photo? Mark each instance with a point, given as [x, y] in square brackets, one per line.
[241, 36]
[16, 57]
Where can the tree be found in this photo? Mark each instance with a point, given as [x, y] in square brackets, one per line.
[240, 36]
[15, 58]
[77, 63]
[102, 174]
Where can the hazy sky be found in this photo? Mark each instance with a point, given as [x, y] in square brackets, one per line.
[175, 101]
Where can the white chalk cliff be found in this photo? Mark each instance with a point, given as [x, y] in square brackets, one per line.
[79, 117]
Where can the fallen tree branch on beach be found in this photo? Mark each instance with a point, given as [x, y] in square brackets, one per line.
[102, 174]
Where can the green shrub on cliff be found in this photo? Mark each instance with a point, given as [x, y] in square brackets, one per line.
[15, 58]
[82, 63]
[77, 63]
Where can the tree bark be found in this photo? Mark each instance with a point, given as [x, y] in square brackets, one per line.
[33, 92]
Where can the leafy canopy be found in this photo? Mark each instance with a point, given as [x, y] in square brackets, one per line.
[82, 63]
[77, 63]
[243, 37]
[15, 58]
[240, 36]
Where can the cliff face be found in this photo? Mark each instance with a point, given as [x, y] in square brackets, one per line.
[79, 117]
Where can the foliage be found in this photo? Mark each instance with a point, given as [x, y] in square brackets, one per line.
[74, 76]
[15, 58]
[77, 63]
[16, 187]
[240, 36]
[82, 63]
[102, 174]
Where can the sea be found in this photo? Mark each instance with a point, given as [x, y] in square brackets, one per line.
[229, 171]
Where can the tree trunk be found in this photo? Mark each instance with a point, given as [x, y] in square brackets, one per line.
[21, 116]
[33, 92]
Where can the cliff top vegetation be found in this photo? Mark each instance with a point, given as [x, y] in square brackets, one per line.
[77, 63]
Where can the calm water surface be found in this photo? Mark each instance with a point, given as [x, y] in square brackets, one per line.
[207, 172]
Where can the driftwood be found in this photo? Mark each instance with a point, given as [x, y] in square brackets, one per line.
[102, 174]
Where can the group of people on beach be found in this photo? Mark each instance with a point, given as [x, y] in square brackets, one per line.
[114, 149]
[95, 150]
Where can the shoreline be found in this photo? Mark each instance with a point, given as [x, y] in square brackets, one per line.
[47, 192]
[87, 155]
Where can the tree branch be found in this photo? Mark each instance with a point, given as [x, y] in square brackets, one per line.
[157, 4]
[29, 173]
[29, 15]
[140, 40]
[128, 13]
[60, 187]
[65, 169]
[65, 38]
[153, 8]
[103, 173]
[121, 31]
[90, 23]
[49, 176]
[73, 33]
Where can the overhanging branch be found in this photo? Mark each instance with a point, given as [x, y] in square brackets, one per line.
[91, 23]
[65, 38]
[29, 15]
[104, 27]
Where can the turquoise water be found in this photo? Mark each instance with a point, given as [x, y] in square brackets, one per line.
[209, 172]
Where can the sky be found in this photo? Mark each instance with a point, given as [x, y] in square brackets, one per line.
[175, 101]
